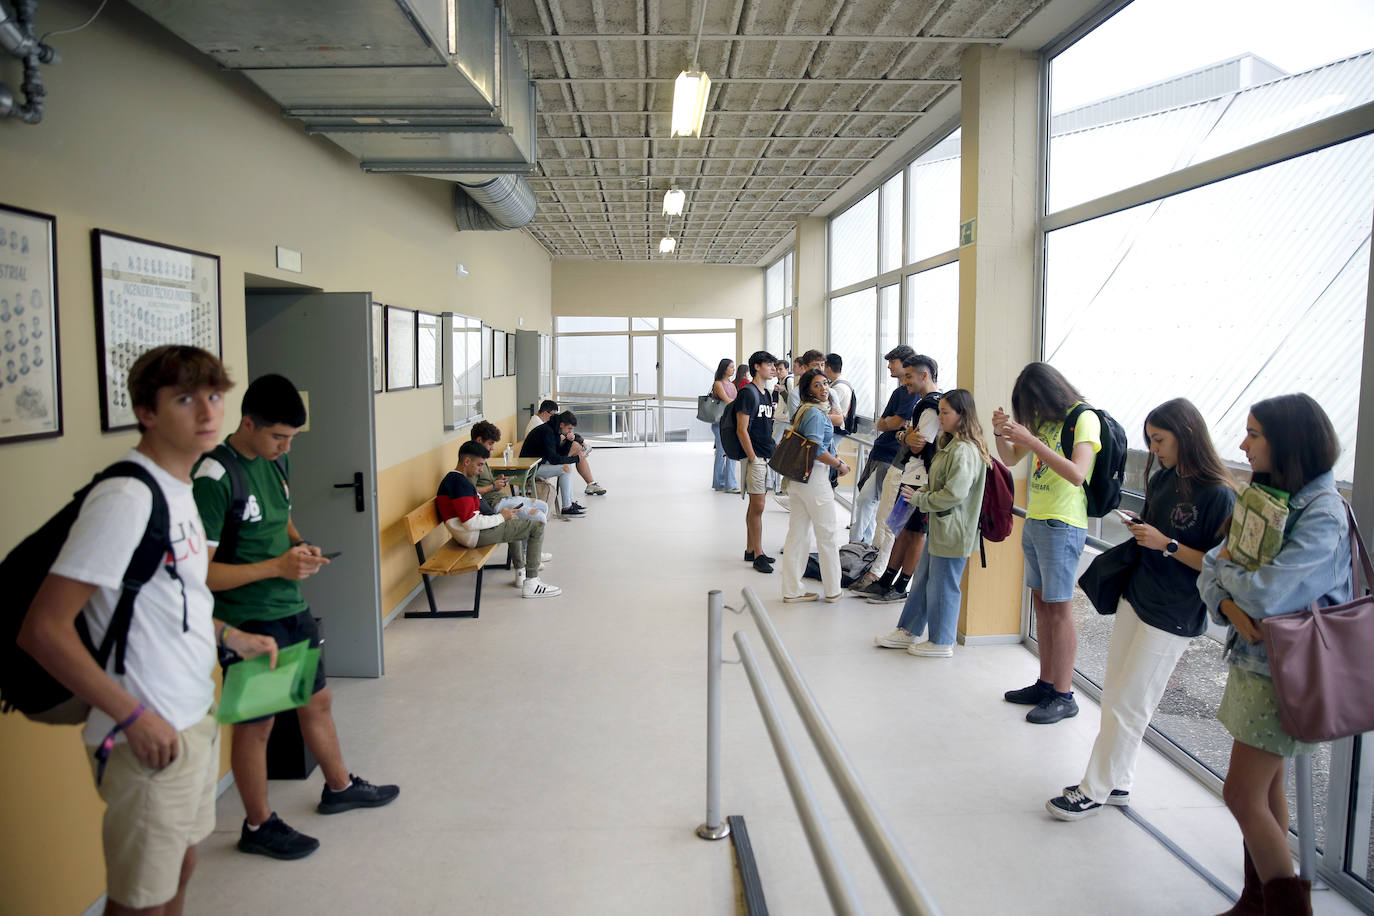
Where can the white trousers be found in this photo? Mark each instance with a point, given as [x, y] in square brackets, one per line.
[1140, 659]
[812, 508]
[883, 537]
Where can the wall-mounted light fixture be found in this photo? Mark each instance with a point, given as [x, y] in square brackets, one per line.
[666, 244]
[673, 202]
[690, 93]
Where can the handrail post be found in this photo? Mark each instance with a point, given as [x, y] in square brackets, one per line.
[715, 827]
[1307, 822]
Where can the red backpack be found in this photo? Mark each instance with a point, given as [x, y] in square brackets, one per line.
[994, 521]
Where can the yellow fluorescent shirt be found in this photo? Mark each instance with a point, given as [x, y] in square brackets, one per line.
[1051, 496]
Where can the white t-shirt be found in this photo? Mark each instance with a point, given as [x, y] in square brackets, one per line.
[916, 473]
[840, 395]
[534, 424]
[166, 668]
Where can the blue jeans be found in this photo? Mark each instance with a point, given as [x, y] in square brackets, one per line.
[866, 505]
[723, 474]
[565, 482]
[934, 598]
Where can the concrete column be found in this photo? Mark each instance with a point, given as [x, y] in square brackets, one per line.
[1000, 101]
[809, 286]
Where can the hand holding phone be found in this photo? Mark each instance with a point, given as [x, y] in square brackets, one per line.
[1127, 517]
[332, 556]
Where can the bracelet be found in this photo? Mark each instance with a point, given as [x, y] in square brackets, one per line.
[223, 630]
[133, 717]
[102, 753]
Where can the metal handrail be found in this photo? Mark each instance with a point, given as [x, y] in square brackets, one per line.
[905, 888]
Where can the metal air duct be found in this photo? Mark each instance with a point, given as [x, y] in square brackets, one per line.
[501, 202]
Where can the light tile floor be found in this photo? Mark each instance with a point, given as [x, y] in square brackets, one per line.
[551, 754]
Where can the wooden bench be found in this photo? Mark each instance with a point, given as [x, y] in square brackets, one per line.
[451, 559]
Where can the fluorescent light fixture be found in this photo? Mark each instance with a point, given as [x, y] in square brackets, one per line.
[673, 202]
[690, 92]
[666, 244]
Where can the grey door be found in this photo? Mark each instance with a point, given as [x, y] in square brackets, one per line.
[322, 342]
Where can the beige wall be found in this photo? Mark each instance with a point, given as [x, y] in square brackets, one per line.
[145, 137]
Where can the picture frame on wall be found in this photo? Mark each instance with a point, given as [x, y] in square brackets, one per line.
[498, 353]
[486, 351]
[510, 353]
[400, 348]
[378, 348]
[30, 375]
[147, 294]
[429, 351]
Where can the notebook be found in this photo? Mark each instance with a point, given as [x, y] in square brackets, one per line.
[252, 690]
[1257, 526]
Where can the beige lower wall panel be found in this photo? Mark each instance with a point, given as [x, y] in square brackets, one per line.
[992, 596]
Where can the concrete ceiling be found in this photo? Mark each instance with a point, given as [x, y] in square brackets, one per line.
[803, 96]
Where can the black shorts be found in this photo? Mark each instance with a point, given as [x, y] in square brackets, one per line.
[918, 522]
[287, 631]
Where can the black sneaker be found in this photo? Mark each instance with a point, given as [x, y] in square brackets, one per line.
[1029, 696]
[574, 511]
[1051, 709]
[276, 839]
[359, 794]
[888, 595]
[1073, 805]
[1119, 797]
[749, 556]
[578, 506]
[763, 564]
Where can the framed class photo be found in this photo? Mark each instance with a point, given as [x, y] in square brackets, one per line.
[30, 383]
[147, 294]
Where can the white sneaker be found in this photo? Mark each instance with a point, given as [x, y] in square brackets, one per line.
[930, 650]
[519, 579]
[805, 596]
[533, 588]
[897, 639]
[545, 557]
[782, 500]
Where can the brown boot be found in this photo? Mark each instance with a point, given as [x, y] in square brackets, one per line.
[1288, 897]
[1251, 902]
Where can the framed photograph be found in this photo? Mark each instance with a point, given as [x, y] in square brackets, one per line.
[378, 348]
[462, 370]
[498, 353]
[31, 383]
[147, 294]
[510, 353]
[400, 348]
[486, 352]
[429, 351]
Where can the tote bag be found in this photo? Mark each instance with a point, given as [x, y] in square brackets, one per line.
[795, 454]
[1320, 660]
[1105, 579]
[710, 408]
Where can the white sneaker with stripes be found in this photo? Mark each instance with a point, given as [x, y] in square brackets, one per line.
[533, 588]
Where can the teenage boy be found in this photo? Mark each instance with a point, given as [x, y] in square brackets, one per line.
[474, 525]
[258, 590]
[894, 416]
[546, 409]
[491, 488]
[154, 722]
[553, 442]
[898, 554]
[569, 446]
[753, 410]
[841, 392]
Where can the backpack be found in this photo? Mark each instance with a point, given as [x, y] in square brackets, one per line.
[851, 420]
[24, 684]
[238, 497]
[854, 562]
[1103, 488]
[994, 519]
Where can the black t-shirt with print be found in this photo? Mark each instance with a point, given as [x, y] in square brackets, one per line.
[1163, 591]
[759, 409]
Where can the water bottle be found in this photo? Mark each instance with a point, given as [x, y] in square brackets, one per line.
[508, 451]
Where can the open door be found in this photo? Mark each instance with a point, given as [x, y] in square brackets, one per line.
[322, 342]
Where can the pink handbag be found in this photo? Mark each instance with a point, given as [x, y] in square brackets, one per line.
[1322, 660]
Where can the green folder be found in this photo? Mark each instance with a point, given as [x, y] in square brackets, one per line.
[1257, 526]
[252, 690]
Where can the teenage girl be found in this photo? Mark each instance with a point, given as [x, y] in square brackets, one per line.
[723, 389]
[813, 502]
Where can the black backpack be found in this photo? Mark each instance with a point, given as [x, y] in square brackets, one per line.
[851, 419]
[729, 432]
[24, 684]
[238, 498]
[1103, 488]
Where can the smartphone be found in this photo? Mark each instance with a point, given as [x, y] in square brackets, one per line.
[1127, 517]
[334, 555]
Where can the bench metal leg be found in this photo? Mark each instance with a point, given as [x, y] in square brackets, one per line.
[434, 613]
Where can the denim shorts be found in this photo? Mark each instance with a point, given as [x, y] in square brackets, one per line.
[1052, 549]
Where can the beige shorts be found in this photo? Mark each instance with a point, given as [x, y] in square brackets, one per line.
[753, 476]
[153, 816]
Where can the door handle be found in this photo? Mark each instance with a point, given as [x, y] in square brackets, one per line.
[357, 486]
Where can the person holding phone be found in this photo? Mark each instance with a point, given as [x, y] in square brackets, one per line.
[1188, 502]
[1291, 446]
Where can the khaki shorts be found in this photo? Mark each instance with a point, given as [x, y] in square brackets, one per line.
[153, 816]
[753, 476]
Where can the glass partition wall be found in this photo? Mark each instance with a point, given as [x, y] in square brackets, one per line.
[1206, 232]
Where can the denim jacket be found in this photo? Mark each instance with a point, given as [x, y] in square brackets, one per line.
[815, 425]
[1312, 565]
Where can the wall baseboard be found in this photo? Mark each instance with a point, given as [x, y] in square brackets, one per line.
[996, 639]
[225, 782]
[95, 909]
[405, 602]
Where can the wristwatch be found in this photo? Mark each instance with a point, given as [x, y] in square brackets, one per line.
[1171, 548]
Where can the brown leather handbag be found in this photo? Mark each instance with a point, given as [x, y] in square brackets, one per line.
[795, 455]
[1320, 659]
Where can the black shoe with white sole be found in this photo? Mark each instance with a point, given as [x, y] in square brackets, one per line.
[1073, 805]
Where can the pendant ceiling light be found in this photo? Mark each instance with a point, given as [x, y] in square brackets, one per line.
[673, 202]
[666, 244]
[689, 102]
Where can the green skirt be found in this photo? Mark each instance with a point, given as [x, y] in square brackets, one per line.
[1250, 711]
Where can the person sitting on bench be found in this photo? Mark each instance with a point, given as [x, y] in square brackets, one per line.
[492, 488]
[473, 525]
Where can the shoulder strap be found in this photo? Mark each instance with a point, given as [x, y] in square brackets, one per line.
[796, 417]
[1358, 554]
[1066, 433]
[238, 501]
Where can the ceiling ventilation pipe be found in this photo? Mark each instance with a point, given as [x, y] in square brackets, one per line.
[499, 202]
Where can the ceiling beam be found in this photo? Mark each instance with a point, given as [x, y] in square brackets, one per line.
[727, 113]
[756, 137]
[732, 37]
[841, 80]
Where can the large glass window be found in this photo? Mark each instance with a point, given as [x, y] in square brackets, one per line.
[1241, 72]
[462, 374]
[889, 320]
[932, 322]
[854, 335]
[778, 307]
[890, 228]
[933, 200]
[853, 240]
